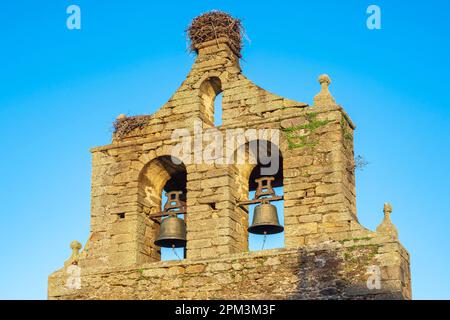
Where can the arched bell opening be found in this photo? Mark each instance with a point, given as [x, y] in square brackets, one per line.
[275, 219]
[211, 101]
[261, 181]
[160, 177]
[175, 233]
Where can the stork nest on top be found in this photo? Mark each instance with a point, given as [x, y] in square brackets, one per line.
[214, 25]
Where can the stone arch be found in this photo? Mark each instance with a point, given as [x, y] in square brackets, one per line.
[209, 89]
[158, 175]
[250, 170]
[223, 77]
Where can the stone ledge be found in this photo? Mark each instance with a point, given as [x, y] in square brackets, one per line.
[141, 141]
[329, 245]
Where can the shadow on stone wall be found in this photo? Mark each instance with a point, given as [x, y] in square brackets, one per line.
[340, 274]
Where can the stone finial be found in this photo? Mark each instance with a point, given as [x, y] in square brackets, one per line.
[76, 247]
[387, 209]
[324, 78]
[324, 98]
[121, 117]
[387, 227]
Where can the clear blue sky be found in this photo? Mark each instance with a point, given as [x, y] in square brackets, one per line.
[60, 90]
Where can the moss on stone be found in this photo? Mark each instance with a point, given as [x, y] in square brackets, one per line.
[348, 136]
[312, 125]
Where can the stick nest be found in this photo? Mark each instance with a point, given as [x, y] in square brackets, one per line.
[124, 126]
[214, 25]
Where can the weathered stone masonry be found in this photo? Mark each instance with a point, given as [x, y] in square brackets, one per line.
[327, 252]
[336, 271]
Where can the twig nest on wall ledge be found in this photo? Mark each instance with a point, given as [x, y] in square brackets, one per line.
[214, 25]
[124, 125]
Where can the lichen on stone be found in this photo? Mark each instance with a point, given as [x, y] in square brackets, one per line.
[312, 125]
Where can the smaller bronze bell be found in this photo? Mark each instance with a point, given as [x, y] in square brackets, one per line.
[265, 220]
[172, 233]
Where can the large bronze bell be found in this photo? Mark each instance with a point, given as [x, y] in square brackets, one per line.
[172, 233]
[265, 220]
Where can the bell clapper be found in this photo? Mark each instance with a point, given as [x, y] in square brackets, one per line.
[175, 252]
[264, 240]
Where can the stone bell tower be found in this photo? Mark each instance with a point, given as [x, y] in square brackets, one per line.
[327, 253]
